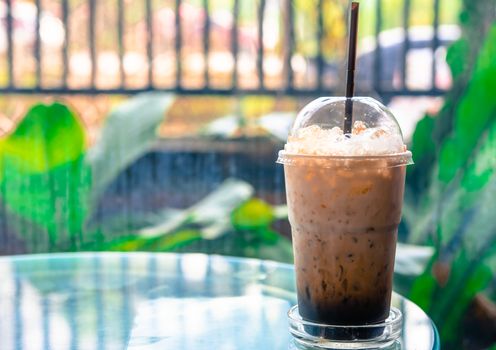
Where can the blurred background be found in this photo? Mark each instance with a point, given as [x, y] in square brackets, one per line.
[154, 125]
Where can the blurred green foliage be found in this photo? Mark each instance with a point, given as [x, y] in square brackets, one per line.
[451, 189]
[51, 185]
[50, 182]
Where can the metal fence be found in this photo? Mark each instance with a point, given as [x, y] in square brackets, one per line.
[384, 68]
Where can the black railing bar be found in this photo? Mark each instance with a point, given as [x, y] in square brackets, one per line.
[120, 41]
[234, 44]
[413, 93]
[377, 71]
[435, 42]
[178, 43]
[10, 45]
[320, 36]
[289, 45]
[65, 47]
[260, 51]
[206, 42]
[149, 39]
[406, 42]
[212, 91]
[37, 43]
[91, 39]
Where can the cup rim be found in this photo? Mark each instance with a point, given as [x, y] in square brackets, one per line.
[393, 159]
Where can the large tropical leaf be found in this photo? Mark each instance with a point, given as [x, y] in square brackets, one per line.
[466, 237]
[466, 158]
[43, 178]
[128, 133]
[47, 137]
[475, 111]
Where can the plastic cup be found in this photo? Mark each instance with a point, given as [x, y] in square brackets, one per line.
[344, 201]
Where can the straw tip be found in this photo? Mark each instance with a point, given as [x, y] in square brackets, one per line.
[354, 5]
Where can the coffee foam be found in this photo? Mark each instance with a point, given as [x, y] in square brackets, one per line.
[314, 140]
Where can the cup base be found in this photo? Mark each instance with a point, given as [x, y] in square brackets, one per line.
[311, 335]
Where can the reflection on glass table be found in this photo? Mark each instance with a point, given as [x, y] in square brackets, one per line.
[146, 301]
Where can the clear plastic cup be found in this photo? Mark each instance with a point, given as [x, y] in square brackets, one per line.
[344, 196]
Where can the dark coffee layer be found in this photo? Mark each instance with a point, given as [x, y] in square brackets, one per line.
[358, 310]
[351, 285]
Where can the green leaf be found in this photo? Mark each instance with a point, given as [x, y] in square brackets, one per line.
[475, 111]
[449, 160]
[467, 277]
[212, 212]
[468, 206]
[221, 202]
[424, 150]
[47, 137]
[130, 243]
[169, 242]
[175, 240]
[253, 214]
[55, 201]
[482, 229]
[422, 143]
[483, 167]
[45, 181]
[128, 133]
[456, 57]
[135, 242]
[423, 289]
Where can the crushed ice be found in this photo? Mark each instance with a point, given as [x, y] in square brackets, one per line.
[314, 140]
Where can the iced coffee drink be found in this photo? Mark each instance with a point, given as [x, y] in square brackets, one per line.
[344, 195]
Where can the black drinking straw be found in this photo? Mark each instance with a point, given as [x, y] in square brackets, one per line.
[350, 75]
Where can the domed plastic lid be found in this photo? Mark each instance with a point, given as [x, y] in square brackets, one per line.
[318, 131]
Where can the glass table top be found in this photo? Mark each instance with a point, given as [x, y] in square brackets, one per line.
[147, 301]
